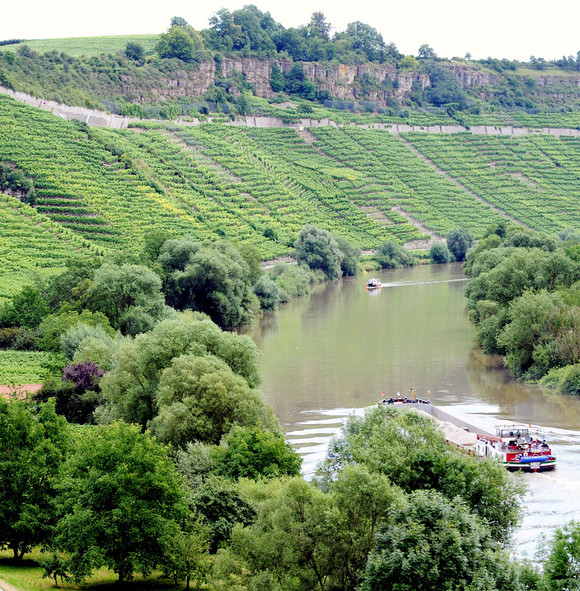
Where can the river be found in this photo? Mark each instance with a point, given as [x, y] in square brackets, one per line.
[334, 352]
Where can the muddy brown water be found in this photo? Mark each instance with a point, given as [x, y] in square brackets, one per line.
[333, 353]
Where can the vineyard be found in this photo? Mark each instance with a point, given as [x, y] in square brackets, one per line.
[534, 179]
[24, 367]
[97, 190]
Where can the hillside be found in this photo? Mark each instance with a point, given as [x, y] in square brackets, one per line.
[101, 189]
[245, 54]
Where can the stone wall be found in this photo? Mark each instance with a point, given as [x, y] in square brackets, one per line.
[103, 119]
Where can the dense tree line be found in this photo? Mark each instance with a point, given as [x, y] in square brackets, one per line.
[384, 511]
[154, 448]
[524, 299]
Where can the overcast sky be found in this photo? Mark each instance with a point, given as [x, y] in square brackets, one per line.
[513, 29]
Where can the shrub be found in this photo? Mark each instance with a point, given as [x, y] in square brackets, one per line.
[439, 253]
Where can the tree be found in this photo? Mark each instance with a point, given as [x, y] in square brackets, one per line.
[412, 453]
[430, 543]
[187, 556]
[27, 309]
[220, 504]
[176, 43]
[350, 256]
[562, 565]
[131, 387]
[319, 26]
[439, 253]
[277, 80]
[134, 51]
[393, 256]
[319, 250]
[54, 326]
[120, 501]
[77, 394]
[426, 52]
[363, 502]
[458, 242]
[201, 399]
[268, 292]
[252, 452]
[32, 447]
[212, 279]
[366, 40]
[530, 337]
[408, 62]
[121, 291]
[178, 21]
[288, 545]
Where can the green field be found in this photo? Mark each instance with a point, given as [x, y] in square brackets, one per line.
[23, 367]
[89, 46]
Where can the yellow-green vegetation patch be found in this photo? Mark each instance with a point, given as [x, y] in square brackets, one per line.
[24, 367]
[31, 245]
[89, 46]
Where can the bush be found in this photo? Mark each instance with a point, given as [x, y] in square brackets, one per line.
[319, 250]
[459, 241]
[439, 253]
[268, 292]
[393, 256]
[564, 380]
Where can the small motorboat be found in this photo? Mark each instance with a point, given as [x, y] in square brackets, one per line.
[373, 283]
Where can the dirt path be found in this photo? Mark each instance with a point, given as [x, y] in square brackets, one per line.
[4, 586]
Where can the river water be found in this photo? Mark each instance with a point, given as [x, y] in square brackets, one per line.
[333, 353]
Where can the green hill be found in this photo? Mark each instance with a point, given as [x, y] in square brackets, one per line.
[100, 189]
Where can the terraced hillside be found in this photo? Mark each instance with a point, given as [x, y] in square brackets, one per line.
[98, 189]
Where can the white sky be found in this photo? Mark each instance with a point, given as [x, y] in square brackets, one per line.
[514, 29]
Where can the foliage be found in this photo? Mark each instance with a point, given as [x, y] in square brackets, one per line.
[413, 454]
[131, 388]
[201, 399]
[76, 394]
[221, 505]
[129, 295]
[73, 337]
[319, 250]
[120, 502]
[541, 333]
[439, 253]
[459, 241]
[54, 326]
[268, 292]
[252, 452]
[564, 380]
[210, 279]
[32, 447]
[27, 309]
[562, 570]
[134, 51]
[176, 43]
[288, 544]
[294, 280]
[393, 256]
[350, 258]
[431, 542]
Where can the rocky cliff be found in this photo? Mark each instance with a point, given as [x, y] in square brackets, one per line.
[342, 81]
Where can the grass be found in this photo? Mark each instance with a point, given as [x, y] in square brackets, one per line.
[27, 576]
[89, 46]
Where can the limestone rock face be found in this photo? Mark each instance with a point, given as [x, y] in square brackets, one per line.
[342, 81]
